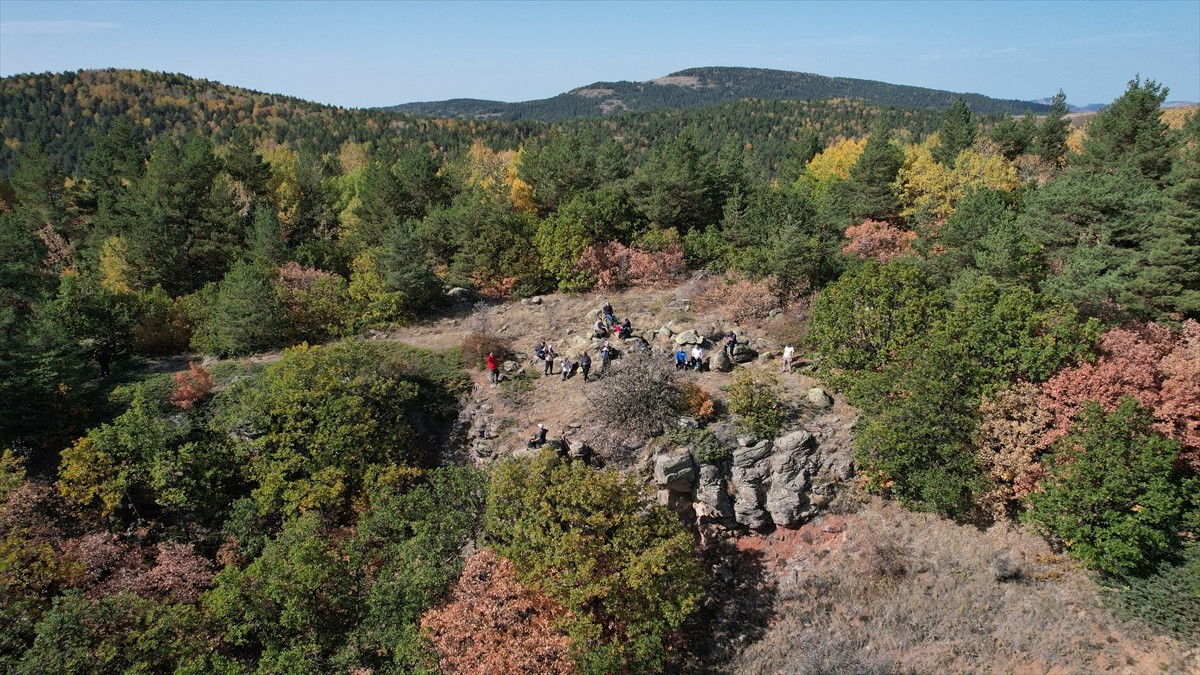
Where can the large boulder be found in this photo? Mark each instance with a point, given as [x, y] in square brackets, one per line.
[675, 471]
[721, 362]
[688, 337]
[743, 354]
[817, 398]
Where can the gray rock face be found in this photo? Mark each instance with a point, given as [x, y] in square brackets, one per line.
[721, 362]
[745, 457]
[748, 478]
[688, 337]
[747, 498]
[675, 471]
[787, 499]
[712, 494]
[817, 398]
[796, 440]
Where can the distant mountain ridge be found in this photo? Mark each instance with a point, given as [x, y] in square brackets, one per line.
[697, 87]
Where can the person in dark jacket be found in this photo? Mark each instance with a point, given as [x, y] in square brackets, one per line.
[585, 364]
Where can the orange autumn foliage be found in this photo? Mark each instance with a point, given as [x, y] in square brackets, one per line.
[492, 625]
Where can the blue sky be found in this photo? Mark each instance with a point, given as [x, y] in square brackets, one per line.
[380, 53]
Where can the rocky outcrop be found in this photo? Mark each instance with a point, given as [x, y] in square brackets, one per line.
[781, 482]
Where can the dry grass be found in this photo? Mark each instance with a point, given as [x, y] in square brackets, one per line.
[903, 592]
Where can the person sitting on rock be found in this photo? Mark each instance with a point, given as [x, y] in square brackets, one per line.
[681, 359]
[609, 317]
[567, 368]
[697, 358]
[601, 330]
[626, 328]
[540, 439]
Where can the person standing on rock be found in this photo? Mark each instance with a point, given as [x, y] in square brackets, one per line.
[605, 357]
[585, 364]
[788, 353]
[550, 357]
[730, 343]
[493, 368]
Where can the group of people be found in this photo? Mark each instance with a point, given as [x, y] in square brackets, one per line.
[607, 324]
[693, 361]
[545, 352]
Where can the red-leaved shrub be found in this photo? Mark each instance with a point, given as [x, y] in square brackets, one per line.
[613, 265]
[1159, 368]
[1011, 429]
[492, 625]
[879, 240]
[192, 386]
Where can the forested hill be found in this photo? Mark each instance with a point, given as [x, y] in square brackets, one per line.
[696, 87]
[64, 111]
[61, 110]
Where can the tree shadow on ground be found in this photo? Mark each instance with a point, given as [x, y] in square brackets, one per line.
[735, 612]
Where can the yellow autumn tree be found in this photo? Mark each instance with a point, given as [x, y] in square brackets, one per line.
[114, 265]
[834, 163]
[932, 189]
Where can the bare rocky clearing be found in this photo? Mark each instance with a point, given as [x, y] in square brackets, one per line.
[864, 588]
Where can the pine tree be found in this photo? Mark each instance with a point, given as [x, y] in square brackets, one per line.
[868, 193]
[1050, 142]
[956, 134]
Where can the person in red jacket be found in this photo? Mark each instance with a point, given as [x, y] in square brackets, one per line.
[493, 371]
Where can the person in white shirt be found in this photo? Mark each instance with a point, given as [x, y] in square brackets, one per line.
[697, 357]
[788, 353]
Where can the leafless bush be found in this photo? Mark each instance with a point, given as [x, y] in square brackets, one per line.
[476, 346]
[637, 395]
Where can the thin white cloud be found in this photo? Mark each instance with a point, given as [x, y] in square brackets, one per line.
[54, 27]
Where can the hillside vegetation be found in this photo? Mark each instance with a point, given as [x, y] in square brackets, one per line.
[222, 452]
[699, 87]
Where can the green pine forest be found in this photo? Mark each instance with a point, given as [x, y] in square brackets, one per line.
[961, 272]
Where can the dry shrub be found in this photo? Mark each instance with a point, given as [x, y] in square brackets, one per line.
[879, 240]
[492, 625]
[499, 288]
[179, 574]
[1008, 442]
[614, 265]
[1159, 368]
[740, 300]
[192, 386]
[637, 396]
[476, 346]
[699, 404]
